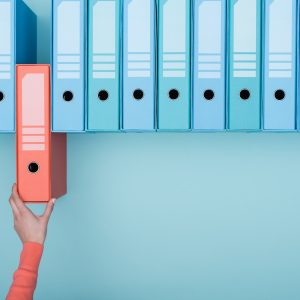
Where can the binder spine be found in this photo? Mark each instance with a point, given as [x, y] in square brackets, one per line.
[139, 26]
[298, 68]
[280, 65]
[41, 156]
[244, 95]
[174, 64]
[33, 138]
[104, 65]
[209, 69]
[68, 59]
[7, 61]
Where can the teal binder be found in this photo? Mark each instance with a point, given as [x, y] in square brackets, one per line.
[139, 65]
[280, 68]
[103, 105]
[244, 94]
[68, 65]
[174, 97]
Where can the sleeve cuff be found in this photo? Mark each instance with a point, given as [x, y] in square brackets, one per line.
[31, 256]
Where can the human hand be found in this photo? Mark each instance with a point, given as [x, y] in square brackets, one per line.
[29, 227]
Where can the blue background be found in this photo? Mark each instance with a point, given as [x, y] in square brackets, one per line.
[165, 216]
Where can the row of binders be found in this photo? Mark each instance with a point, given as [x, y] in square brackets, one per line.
[144, 65]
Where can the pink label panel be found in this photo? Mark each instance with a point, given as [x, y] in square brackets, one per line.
[33, 102]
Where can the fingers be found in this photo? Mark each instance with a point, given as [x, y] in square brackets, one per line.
[16, 199]
[48, 210]
[15, 210]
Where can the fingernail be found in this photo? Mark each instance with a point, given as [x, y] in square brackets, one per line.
[53, 200]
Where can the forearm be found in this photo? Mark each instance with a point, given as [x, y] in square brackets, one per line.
[25, 278]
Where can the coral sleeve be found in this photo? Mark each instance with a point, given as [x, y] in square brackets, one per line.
[25, 277]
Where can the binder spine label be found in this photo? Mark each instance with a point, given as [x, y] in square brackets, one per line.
[245, 55]
[68, 40]
[281, 45]
[174, 49]
[33, 124]
[6, 37]
[139, 39]
[104, 37]
[210, 45]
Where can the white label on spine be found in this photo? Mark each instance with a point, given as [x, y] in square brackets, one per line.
[33, 130]
[174, 33]
[5, 39]
[104, 38]
[33, 139]
[68, 28]
[139, 30]
[244, 34]
[69, 37]
[33, 147]
[209, 41]
[5, 28]
[280, 39]
[139, 37]
[33, 111]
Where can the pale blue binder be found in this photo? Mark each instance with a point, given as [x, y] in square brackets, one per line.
[209, 65]
[280, 49]
[17, 46]
[139, 47]
[298, 70]
[103, 103]
[244, 76]
[174, 67]
[68, 65]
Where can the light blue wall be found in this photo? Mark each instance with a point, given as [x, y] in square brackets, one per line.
[166, 216]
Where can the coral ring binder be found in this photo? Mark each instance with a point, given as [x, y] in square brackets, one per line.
[41, 155]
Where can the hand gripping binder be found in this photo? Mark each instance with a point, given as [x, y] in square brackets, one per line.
[18, 45]
[139, 80]
[103, 103]
[174, 27]
[244, 65]
[68, 65]
[209, 65]
[280, 64]
[41, 155]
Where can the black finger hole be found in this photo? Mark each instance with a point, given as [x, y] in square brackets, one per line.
[103, 95]
[209, 95]
[173, 94]
[1, 96]
[68, 96]
[138, 94]
[33, 167]
[245, 94]
[279, 95]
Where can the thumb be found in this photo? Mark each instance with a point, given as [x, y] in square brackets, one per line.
[48, 210]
